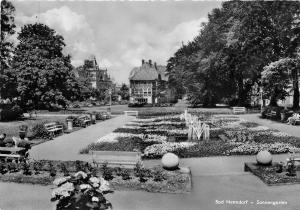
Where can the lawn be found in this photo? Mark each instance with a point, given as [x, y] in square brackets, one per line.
[12, 128]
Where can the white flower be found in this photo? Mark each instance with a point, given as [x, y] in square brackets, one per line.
[83, 174]
[85, 186]
[59, 181]
[95, 185]
[94, 180]
[104, 185]
[63, 191]
[95, 199]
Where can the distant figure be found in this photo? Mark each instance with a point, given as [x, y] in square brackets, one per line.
[2, 137]
[292, 120]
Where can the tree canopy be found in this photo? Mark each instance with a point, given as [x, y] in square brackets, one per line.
[224, 62]
[44, 75]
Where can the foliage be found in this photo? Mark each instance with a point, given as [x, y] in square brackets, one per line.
[81, 191]
[39, 131]
[43, 74]
[64, 169]
[107, 172]
[7, 87]
[37, 167]
[124, 92]
[26, 168]
[224, 62]
[125, 173]
[10, 114]
[52, 170]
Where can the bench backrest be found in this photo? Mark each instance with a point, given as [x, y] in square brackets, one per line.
[116, 156]
[50, 125]
[239, 108]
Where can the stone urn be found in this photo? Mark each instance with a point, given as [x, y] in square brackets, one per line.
[93, 117]
[23, 131]
[70, 124]
[264, 157]
[170, 161]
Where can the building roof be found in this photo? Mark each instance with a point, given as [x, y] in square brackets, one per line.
[148, 72]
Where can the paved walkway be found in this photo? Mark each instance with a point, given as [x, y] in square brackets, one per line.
[66, 147]
[290, 129]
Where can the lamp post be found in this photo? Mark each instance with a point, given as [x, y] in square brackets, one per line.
[261, 100]
[109, 92]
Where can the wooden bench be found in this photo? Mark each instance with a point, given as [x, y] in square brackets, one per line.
[237, 110]
[11, 153]
[85, 120]
[54, 127]
[136, 113]
[271, 114]
[119, 158]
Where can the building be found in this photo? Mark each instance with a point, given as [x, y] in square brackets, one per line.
[98, 78]
[148, 84]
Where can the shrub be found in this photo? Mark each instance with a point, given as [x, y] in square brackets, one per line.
[158, 175]
[3, 168]
[64, 169]
[39, 131]
[37, 167]
[12, 167]
[107, 173]
[125, 174]
[52, 170]
[13, 113]
[26, 168]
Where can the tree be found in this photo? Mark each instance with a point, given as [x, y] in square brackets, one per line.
[275, 80]
[7, 87]
[43, 73]
[124, 92]
[224, 62]
[278, 79]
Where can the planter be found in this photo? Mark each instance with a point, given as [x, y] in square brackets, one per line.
[22, 134]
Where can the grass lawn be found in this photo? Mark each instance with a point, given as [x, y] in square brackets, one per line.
[12, 128]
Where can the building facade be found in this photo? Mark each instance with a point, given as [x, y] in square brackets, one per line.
[148, 83]
[98, 78]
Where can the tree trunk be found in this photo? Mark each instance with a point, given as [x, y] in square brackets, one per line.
[273, 101]
[296, 89]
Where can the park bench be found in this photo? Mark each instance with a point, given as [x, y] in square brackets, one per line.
[271, 114]
[84, 120]
[136, 113]
[11, 153]
[237, 110]
[119, 158]
[54, 128]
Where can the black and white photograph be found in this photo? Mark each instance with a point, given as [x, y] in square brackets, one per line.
[149, 105]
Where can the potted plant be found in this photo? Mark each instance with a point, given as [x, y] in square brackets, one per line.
[81, 191]
[23, 131]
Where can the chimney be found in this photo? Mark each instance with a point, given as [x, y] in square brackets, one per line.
[143, 61]
[150, 63]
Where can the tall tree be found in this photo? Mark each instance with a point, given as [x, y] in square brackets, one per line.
[43, 73]
[7, 87]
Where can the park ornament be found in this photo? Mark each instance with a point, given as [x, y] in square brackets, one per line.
[264, 157]
[170, 161]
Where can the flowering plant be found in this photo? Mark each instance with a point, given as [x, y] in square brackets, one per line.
[81, 191]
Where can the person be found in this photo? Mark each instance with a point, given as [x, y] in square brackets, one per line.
[292, 120]
[2, 137]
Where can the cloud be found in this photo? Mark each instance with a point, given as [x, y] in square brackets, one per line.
[78, 34]
[151, 43]
[119, 39]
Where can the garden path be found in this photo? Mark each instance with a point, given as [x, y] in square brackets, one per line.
[290, 129]
[67, 146]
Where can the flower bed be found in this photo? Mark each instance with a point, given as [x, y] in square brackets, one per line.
[154, 179]
[269, 174]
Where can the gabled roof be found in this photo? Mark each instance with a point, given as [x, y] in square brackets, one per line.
[147, 72]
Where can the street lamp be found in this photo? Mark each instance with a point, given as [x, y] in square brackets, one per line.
[109, 92]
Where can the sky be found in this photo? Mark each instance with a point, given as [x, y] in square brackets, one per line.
[118, 34]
